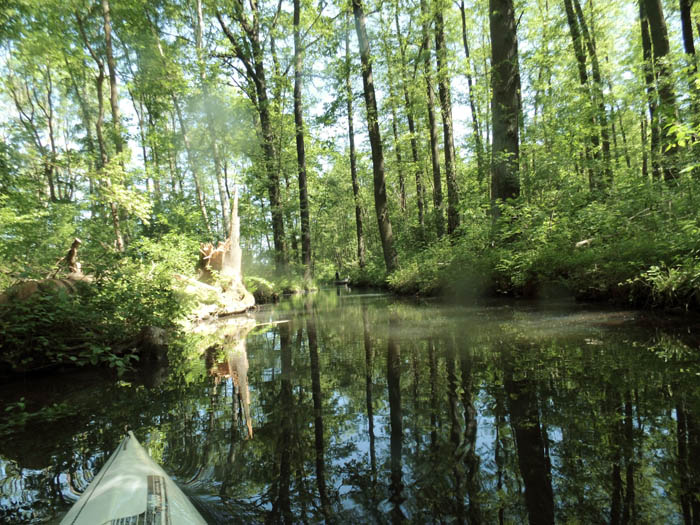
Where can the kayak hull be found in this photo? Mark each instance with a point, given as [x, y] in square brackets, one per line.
[132, 488]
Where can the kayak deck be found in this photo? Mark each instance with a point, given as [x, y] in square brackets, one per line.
[132, 489]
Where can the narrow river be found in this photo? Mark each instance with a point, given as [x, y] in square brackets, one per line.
[363, 408]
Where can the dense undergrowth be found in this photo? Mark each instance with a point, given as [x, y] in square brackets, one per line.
[637, 245]
[106, 322]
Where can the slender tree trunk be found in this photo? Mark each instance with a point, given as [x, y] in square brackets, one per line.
[476, 130]
[598, 98]
[194, 169]
[103, 159]
[218, 172]
[645, 151]
[353, 155]
[393, 379]
[375, 139]
[432, 122]
[447, 127]
[652, 97]
[112, 69]
[667, 98]
[580, 54]
[410, 112]
[505, 107]
[318, 409]
[301, 153]
[114, 104]
[395, 132]
[191, 161]
[253, 60]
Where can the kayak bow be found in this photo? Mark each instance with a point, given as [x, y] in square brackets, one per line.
[132, 489]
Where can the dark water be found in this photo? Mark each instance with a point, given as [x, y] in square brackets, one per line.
[364, 408]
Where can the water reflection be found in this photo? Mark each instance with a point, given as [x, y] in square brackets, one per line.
[363, 409]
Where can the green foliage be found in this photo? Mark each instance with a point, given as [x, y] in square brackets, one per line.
[98, 324]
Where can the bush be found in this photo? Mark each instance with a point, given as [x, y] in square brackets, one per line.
[100, 323]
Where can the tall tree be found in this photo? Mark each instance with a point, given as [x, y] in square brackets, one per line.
[375, 139]
[249, 51]
[103, 159]
[580, 55]
[598, 98]
[652, 98]
[211, 129]
[446, 114]
[664, 78]
[410, 116]
[353, 154]
[505, 102]
[185, 136]
[476, 130]
[301, 151]
[432, 122]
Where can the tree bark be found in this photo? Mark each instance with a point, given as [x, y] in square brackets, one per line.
[447, 127]
[432, 123]
[505, 107]
[598, 98]
[667, 97]
[395, 131]
[652, 98]
[103, 159]
[689, 47]
[420, 203]
[353, 155]
[580, 54]
[476, 130]
[255, 71]
[687, 30]
[301, 153]
[218, 172]
[112, 69]
[375, 139]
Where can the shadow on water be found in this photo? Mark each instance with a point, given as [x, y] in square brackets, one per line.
[349, 408]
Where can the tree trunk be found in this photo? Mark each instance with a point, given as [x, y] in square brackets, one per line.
[652, 98]
[667, 97]
[580, 54]
[598, 98]
[253, 61]
[318, 405]
[112, 68]
[505, 85]
[301, 153]
[447, 128]
[687, 30]
[223, 196]
[103, 159]
[375, 139]
[689, 47]
[476, 130]
[395, 131]
[432, 123]
[420, 203]
[353, 155]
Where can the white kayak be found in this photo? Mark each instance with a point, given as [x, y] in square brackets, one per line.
[132, 489]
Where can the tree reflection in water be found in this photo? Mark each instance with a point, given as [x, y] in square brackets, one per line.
[482, 415]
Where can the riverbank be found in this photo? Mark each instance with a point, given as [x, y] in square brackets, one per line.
[638, 247]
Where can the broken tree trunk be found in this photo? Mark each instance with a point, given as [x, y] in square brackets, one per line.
[225, 260]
